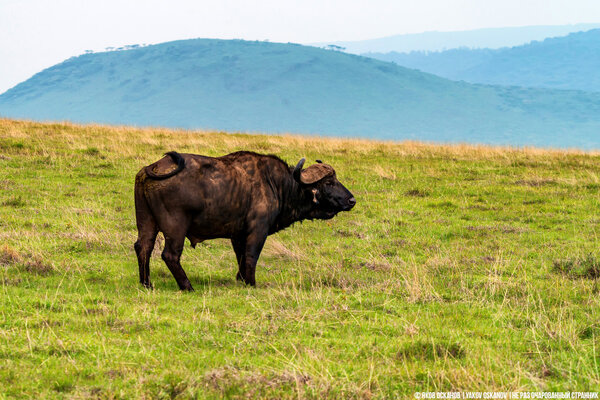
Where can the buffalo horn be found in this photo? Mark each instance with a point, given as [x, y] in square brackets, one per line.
[298, 169]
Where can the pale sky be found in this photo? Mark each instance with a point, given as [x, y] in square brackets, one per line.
[36, 34]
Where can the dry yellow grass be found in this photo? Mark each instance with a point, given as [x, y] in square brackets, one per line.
[126, 140]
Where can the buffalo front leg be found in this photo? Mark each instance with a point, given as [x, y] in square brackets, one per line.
[254, 245]
[171, 256]
[239, 246]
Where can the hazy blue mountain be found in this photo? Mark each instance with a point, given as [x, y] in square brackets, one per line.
[569, 62]
[272, 87]
[490, 38]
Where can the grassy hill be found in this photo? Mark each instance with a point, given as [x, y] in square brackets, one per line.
[569, 62]
[460, 268]
[272, 87]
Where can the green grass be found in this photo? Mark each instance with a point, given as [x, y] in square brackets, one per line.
[460, 268]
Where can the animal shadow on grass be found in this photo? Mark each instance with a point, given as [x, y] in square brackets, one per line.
[162, 278]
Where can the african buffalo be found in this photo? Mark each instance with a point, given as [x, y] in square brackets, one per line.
[242, 196]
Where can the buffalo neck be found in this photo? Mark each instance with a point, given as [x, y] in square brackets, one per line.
[295, 203]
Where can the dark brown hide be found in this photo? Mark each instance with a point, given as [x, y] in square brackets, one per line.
[242, 196]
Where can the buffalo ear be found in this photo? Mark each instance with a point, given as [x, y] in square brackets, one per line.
[298, 170]
[315, 173]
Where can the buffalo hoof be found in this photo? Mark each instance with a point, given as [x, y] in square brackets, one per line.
[148, 285]
[186, 287]
[240, 278]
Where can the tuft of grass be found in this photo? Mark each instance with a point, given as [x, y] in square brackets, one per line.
[16, 202]
[32, 264]
[9, 256]
[536, 182]
[442, 204]
[385, 173]
[91, 151]
[579, 267]
[417, 193]
[231, 382]
[38, 266]
[421, 351]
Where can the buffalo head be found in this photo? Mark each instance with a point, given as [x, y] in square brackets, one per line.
[329, 196]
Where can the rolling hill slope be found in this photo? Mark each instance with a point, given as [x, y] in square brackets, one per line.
[569, 62]
[271, 87]
[489, 38]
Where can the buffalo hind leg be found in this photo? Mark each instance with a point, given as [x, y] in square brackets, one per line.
[239, 246]
[171, 256]
[147, 231]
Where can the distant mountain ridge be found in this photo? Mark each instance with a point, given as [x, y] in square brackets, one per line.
[568, 62]
[488, 38]
[273, 87]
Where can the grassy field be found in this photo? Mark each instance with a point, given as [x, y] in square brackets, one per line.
[460, 268]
